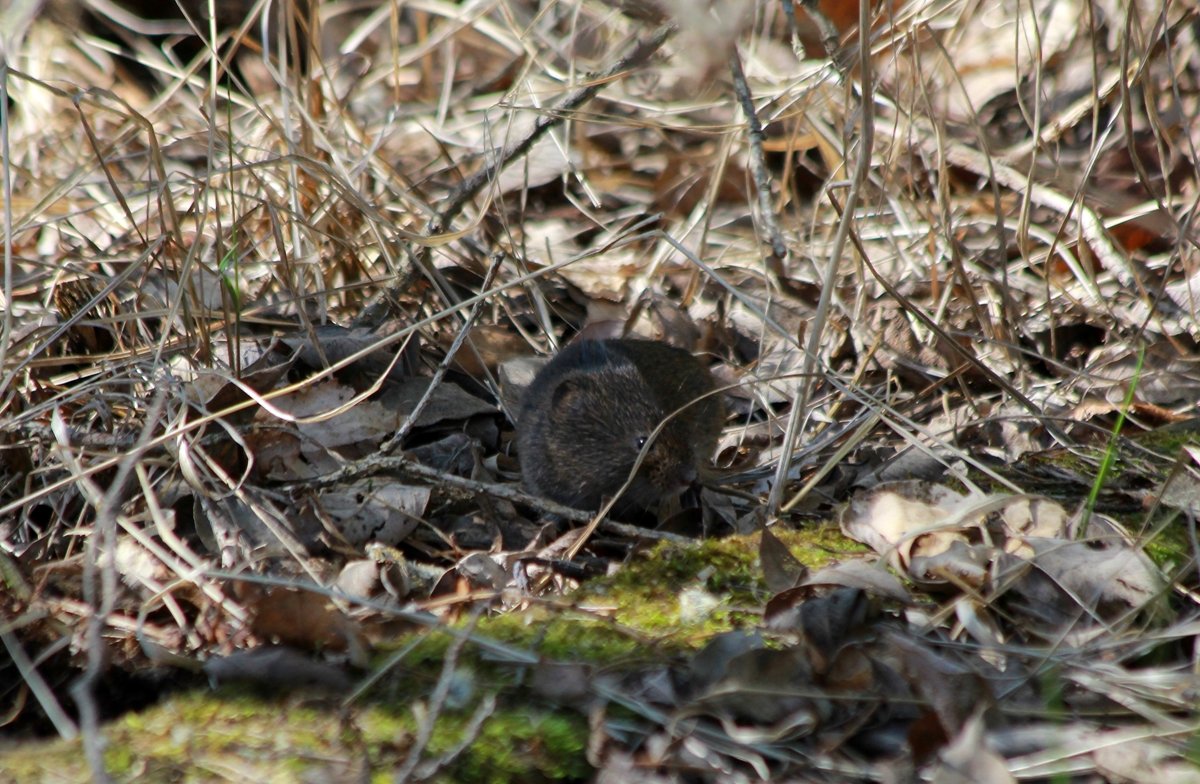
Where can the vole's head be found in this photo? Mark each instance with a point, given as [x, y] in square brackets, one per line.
[604, 417]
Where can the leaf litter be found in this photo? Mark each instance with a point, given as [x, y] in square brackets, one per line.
[265, 336]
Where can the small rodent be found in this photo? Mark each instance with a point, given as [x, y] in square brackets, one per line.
[587, 414]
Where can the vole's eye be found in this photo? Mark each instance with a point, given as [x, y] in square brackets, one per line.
[640, 442]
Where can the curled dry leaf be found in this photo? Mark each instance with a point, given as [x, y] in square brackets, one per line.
[937, 536]
[968, 760]
[300, 619]
[1103, 576]
[869, 576]
[372, 577]
[907, 521]
[781, 570]
[370, 510]
[1026, 517]
[359, 578]
[951, 560]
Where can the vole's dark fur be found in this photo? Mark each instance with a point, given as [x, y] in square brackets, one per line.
[585, 417]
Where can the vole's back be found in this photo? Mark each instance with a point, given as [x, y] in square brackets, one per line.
[678, 379]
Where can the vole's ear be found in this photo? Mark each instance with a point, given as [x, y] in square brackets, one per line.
[568, 394]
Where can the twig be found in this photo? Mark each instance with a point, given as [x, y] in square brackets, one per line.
[42, 692]
[470, 187]
[469, 488]
[866, 142]
[101, 594]
[758, 166]
[393, 443]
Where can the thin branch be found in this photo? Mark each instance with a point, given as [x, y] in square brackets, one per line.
[758, 165]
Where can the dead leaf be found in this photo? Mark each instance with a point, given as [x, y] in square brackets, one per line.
[328, 417]
[336, 343]
[781, 569]
[483, 572]
[1145, 759]
[765, 695]
[369, 510]
[953, 690]
[486, 347]
[710, 664]
[968, 760]
[515, 375]
[869, 576]
[1026, 517]
[903, 521]
[299, 619]
[1103, 576]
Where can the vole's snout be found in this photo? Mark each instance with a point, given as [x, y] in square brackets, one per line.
[676, 477]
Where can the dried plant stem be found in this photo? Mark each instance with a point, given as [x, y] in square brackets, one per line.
[469, 488]
[866, 141]
[472, 185]
[758, 165]
[393, 443]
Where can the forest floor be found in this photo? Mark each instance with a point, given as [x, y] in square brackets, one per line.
[271, 290]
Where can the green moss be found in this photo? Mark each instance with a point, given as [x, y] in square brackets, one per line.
[282, 740]
[819, 545]
[564, 633]
[516, 746]
[644, 608]
[654, 591]
[218, 735]
[1167, 542]
[120, 760]
[638, 613]
[520, 742]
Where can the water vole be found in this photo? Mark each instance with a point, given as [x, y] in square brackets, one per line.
[588, 413]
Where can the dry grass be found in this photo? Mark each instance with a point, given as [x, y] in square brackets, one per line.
[991, 259]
